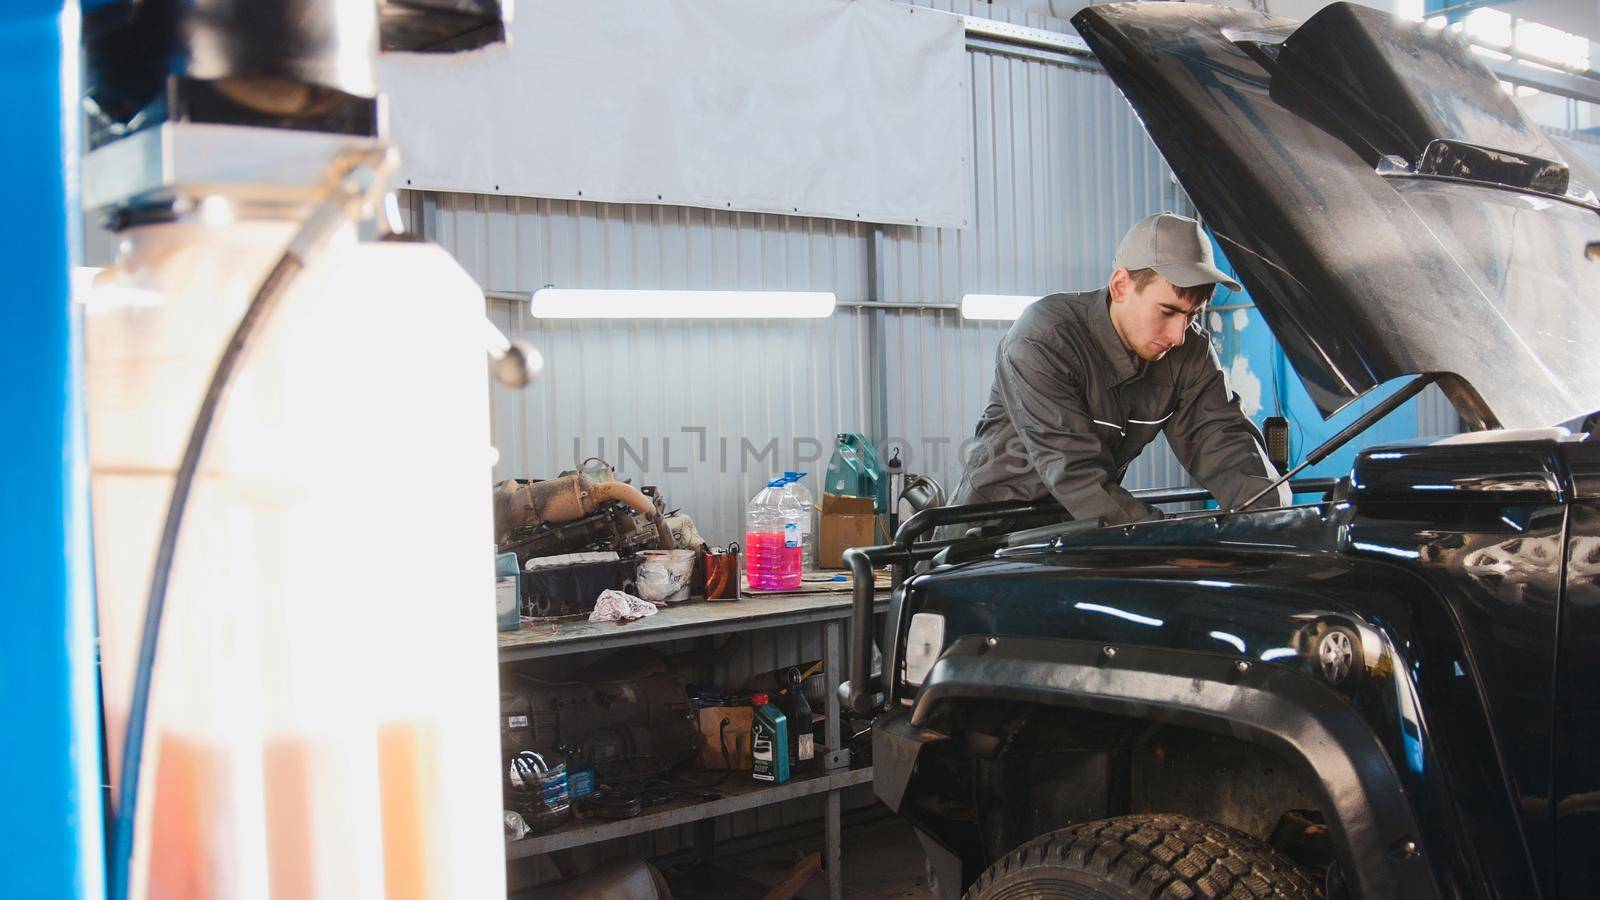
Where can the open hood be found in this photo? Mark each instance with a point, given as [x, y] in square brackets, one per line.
[1391, 210]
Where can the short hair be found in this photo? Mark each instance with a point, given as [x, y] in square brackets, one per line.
[1197, 295]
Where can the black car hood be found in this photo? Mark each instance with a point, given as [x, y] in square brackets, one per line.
[1390, 209]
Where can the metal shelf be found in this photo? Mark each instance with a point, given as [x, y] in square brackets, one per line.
[692, 619]
[829, 605]
[740, 793]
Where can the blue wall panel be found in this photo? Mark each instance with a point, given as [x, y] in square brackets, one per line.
[1260, 373]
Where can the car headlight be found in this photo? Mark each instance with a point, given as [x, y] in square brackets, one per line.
[924, 641]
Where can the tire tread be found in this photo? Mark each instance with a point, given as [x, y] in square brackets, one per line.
[1160, 856]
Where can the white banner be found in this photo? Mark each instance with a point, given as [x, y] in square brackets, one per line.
[845, 109]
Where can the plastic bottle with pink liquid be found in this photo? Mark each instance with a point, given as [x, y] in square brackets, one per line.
[773, 539]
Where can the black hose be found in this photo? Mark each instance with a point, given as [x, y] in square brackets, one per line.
[357, 175]
[261, 305]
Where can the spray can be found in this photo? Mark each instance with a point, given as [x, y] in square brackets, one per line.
[769, 742]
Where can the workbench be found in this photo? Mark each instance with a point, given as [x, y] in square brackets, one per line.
[827, 604]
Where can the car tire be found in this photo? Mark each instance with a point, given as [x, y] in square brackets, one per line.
[1144, 857]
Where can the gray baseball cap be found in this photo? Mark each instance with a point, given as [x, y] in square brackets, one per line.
[1175, 247]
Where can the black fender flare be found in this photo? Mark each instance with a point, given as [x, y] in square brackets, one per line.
[1374, 829]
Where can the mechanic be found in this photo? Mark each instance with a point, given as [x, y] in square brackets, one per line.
[1084, 381]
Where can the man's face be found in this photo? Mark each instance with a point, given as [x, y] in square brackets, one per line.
[1151, 320]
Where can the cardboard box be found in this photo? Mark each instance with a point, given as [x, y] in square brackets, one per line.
[846, 522]
[715, 737]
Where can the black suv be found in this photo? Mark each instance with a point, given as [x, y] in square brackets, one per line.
[1391, 690]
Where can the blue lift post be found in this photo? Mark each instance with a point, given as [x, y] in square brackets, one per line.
[51, 835]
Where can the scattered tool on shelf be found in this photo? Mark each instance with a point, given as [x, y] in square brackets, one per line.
[619, 735]
[537, 790]
[804, 870]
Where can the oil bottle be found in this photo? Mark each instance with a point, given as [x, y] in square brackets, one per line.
[802, 749]
[769, 742]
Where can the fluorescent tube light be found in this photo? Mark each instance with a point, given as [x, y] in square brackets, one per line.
[1002, 307]
[576, 303]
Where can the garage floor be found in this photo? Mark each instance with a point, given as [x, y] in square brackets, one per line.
[881, 860]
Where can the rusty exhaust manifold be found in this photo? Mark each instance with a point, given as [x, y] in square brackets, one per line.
[566, 499]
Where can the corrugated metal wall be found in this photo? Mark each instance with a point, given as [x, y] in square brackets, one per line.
[707, 410]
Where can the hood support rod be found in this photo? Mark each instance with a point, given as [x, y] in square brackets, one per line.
[1412, 388]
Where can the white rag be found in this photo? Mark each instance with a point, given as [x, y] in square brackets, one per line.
[612, 606]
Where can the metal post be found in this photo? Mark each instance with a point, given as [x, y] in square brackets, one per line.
[836, 758]
[833, 854]
[832, 660]
[877, 342]
[705, 830]
[705, 850]
[52, 832]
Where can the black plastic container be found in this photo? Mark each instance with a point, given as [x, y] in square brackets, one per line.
[571, 589]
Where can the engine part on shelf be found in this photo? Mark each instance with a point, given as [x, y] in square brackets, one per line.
[629, 729]
[653, 493]
[596, 470]
[685, 535]
[567, 589]
[521, 507]
[613, 527]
